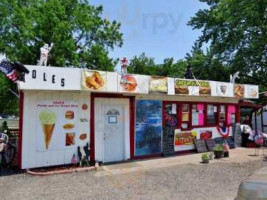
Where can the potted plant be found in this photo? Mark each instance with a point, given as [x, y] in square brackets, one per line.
[218, 151]
[205, 158]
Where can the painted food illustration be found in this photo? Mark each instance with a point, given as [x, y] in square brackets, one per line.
[48, 120]
[83, 136]
[223, 88]
[128, 83]
[205, 90]
[182, 90]
[69, 114]
[68, 126]
[252, 93]
[206, 135]
[95, 81]
[84, 106]
[70, 139]
[239, 91]
[158, 84]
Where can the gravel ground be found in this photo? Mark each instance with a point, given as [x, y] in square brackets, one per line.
[218, 181]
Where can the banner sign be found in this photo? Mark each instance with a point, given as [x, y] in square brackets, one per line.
[192, 87]
[94, 80]
[184, 140]
[51, 78]
[58, 126]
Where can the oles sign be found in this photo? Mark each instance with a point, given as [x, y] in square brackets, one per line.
[184, 137]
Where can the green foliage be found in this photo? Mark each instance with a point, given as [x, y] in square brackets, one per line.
[9, 102]
[237, 33]
[205, 156]
[218, 147]
[146, 65]
[3, 127]
[81, 37]
[206, 66]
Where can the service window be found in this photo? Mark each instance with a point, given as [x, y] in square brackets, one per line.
[212, 113]
[197, 114]
[222, 113]
[185, 116]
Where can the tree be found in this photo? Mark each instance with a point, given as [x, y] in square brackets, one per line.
[75, 27]
[81, 37]
[236, 31]
[146, 65]
[9, 102]
[142, 65]
[205, 66]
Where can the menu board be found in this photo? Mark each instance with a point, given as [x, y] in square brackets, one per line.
[57, 125]
[200, 146]
[231, 142]
[210, 144]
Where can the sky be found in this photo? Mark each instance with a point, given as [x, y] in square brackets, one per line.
[156, 27]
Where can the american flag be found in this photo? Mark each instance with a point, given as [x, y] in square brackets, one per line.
[7, 69]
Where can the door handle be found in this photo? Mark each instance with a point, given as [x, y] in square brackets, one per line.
[104, 136]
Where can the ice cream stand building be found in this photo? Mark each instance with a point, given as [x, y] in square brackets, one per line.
[63, 108]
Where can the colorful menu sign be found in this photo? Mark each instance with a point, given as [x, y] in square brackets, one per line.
[192, 87]
[184, 140]
[58, 125]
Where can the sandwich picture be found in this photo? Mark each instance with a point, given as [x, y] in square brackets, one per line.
[69, 114]
[204, 90]
[181, 90]
[128, 83]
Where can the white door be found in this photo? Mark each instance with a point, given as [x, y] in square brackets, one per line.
[113, 133]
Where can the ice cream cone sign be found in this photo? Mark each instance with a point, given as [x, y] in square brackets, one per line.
[48, 120]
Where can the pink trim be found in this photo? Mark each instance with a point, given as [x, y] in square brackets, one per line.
[231, 110]
[201, 116]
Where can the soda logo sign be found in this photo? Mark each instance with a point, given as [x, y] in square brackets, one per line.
[170, 120]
